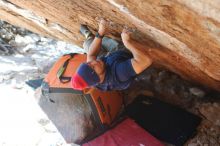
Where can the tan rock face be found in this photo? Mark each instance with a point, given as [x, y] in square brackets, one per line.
[211, 112]
[184, 36]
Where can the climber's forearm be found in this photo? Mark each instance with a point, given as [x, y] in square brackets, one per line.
[137, 49]
[141, 60]
[94, 49]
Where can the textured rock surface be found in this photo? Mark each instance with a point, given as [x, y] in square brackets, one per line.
[211, 112]
[184, 36]
[34, 56]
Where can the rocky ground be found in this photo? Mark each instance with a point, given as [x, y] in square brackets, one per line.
[24, 56]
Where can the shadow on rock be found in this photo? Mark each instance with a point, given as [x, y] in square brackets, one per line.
[168, 87]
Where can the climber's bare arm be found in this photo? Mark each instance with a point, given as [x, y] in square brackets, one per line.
[141, 60]
[95, 47]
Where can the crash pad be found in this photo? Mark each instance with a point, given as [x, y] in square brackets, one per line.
[126, 133]
[164, 121]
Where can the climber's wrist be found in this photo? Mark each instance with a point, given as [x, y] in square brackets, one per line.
[99, 34]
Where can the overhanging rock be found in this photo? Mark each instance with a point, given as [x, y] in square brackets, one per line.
[184, 36]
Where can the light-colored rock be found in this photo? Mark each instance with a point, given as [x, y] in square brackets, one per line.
[20, 41]
[197, 92]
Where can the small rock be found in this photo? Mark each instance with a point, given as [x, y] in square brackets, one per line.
[32, 38]
[44, 39]
[163, 73]
[21, 31]
[43, 122]
[211, 112]
[12, 43]
[27, 48]
[9, 36]
[3, 31]
[35, 37]
[20, 41]
[197, 92]
[14, 30]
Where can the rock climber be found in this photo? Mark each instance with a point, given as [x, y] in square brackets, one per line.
[117, 69]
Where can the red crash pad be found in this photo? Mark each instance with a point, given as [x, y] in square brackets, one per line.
[127, 133]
